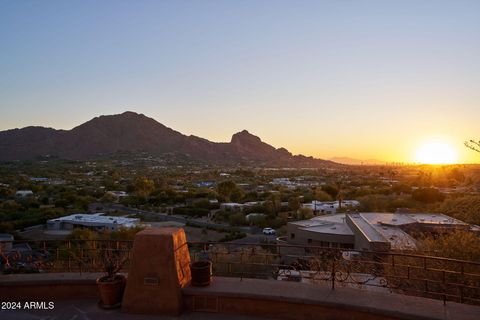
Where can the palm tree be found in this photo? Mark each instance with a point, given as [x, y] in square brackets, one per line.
[340, 194]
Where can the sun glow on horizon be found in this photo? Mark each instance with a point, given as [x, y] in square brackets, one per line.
[436, 152]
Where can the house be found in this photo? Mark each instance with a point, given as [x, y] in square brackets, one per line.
[34, 179]
[231, 206]
[370, 230]
[97, 222]
[206, 184]
[254, 217]
[329, 207]
[24, 193]
[118, 194]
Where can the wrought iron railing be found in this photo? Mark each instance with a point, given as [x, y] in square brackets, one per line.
[410, 274]
[64, 256]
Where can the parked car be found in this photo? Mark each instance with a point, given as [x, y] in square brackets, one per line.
[268, 231]
[351, 255]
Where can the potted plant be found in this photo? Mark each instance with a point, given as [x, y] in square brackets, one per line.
[201, 270]
[112, 285]
[201, 273]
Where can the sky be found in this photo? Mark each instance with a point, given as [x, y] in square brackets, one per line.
[363, 79]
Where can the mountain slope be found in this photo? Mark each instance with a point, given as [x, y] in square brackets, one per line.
[132, 132]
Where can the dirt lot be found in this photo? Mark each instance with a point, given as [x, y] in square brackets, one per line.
[193, 234]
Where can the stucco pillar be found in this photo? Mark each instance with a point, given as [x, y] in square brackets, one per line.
[160, 267]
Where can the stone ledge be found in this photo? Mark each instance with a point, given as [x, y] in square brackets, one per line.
[48, 286]
[48, 278]
[385, 305]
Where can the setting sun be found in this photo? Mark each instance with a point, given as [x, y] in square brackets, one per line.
[436, 152]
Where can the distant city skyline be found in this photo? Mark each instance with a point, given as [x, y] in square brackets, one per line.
[365, 80]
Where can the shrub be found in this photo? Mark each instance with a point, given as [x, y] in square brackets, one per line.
[428, 195]
[191, 211]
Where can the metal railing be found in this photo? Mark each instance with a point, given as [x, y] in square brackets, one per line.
[64, 256]
[410, 274]
[404, 273]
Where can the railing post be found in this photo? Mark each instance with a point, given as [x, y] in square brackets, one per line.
[69, 256]
[57, 254]
[333, 273]
[461, 287]
[81, 264]
[242, 264]
[444, 289]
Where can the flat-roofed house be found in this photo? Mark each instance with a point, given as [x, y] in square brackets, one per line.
[97, 222]
[24, 193]
[371, 231]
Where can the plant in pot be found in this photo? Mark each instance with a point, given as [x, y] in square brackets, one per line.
[112, 285]
[201, 270]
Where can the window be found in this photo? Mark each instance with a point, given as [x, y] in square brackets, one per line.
[309, 241]
[292, 235]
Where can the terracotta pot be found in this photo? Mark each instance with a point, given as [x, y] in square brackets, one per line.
[201, 273]
[111, 292]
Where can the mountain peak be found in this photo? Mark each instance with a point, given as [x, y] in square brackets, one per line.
[245, 136]
[126, 115]
[127, 118]
[131, 114]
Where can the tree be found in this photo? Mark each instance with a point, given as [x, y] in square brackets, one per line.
[237, 219]
[474, 145]
[7, 192]
[340, 194]
[273, 204]
[331, 190]
[460, 244]
[294, 204]
[226, 188]
[466, 208]
[321, 195]
[108, 197]
[124, 233]
[400, 188]
[428, 195]
[305, 213]
[237, 195]
[456, 174]
[144, 186]
[82, 234]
